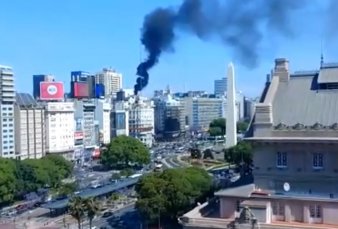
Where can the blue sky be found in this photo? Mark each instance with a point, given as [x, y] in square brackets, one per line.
[56, 37]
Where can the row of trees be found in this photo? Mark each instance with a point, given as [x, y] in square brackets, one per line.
[171, 193]
[218, 127]
[239, 154]
[124, 151]
[18, 178]
[80, 208]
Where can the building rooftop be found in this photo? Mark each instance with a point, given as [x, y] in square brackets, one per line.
[25, 100]
[297, 101]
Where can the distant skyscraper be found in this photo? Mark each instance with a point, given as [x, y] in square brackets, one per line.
[220, 86]
[7, 99]
[37, 79]
[111, 80]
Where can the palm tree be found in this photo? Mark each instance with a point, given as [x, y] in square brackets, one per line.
[92, 207]
[77, 209]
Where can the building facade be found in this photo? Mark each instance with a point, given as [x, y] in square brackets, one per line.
[102, 115]
[220, 87]
[201, 111]
[169, 116]
[111, 80]
[37, 79]
[30, 141]
[141, 120]
[119, 118]
[60, 128]
[294, 138]
[85, 111]
[7, 123]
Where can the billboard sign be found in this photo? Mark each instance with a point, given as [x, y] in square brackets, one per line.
[78, 135]
[120, 120]
[80, 90]
[99, 90]
[51, 91]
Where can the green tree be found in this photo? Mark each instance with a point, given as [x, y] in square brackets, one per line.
[65, 167]
[77, 209]
[67, 189]
[242, 127]
[170, 193]
[215, 131]
[217, 127]
[116, 176]
[127, 172]
[8, 182]
[241, 152]
[124, 150]
[92, 208]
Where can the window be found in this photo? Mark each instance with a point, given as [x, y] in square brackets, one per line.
[238, 206]
[315, 211]
[282, 160]
[278, 208]
[317, 160]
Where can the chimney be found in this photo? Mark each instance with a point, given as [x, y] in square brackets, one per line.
[282, 69]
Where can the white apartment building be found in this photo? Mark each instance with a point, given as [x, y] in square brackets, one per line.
[201, 111]
[85, 113]
[102, 115]
[141, 120]
[220, 87]
[60, 128]
[111, 80]
[7, 99]
[30, 142]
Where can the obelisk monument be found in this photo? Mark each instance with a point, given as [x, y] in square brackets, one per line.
[231, 130]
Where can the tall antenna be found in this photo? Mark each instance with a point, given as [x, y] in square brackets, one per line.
[321, 53]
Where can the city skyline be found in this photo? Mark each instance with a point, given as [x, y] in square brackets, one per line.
[62, 40]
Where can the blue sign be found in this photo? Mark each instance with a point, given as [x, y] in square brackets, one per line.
[99, 90]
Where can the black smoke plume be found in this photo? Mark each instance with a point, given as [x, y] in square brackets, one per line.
[238, 24]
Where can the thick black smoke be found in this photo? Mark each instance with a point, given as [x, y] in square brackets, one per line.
[238, 24]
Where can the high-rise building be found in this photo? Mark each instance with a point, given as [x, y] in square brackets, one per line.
[30, 133]
[119, 118]
[102, 115]
[60, 128]
[169, 116]
[141, 120]
[37, 79]
[7, 99]
[201, 111]
[111, 80]
[220, 87]
[85, 111]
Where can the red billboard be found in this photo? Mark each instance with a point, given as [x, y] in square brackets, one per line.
[51, 91]
[78, 135]
[80, 90]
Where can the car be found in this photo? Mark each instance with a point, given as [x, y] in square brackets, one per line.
[107, 214]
